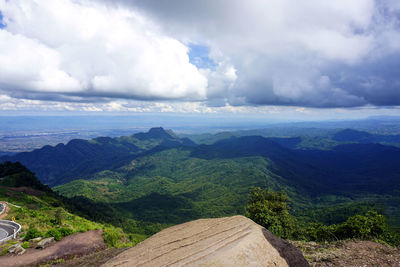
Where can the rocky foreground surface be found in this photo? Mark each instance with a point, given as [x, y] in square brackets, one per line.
[230, 241]
[73, 245]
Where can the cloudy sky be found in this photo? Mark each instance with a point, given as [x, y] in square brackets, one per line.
[201, 56]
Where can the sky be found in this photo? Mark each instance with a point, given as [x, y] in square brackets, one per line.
[278, 58]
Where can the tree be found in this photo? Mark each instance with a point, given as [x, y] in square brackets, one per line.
[270, 209]
[368, 226]
[59, 216]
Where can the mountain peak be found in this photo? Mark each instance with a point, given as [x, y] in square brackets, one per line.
[157, 130]
[156, 133]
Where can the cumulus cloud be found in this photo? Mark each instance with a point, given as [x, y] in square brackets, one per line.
[296, 53]
[306, 53]
[85, 49]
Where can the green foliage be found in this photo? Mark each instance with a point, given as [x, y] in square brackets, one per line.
[116, 237]
[45, 214]
[145, 182]
[58, 216]
[170, 187]
[54, 233]
[112, 236]
[270, 209]
[17, 175]
[370, 226]
[59, 233]
[32, 233]
[26, 245]
[214, 181]
[65, 231]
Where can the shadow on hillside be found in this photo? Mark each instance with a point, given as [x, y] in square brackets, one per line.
[161, 208]
[290, 253]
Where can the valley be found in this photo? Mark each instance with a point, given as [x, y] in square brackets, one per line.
[160, 177]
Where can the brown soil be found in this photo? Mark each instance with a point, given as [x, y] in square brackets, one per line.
[94, 259]
[231, 241]
[76, 244]
[349, 253]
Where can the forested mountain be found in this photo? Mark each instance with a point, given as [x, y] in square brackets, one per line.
[160, 177]
[350, 135]
[81, 158]
[43, 213]
[306, 138]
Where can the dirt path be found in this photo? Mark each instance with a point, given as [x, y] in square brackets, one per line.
[94, 259]
[349, 253]
[76, 244]
[230, 241]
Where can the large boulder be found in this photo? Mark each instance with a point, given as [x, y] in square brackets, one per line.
[16, 249]
[36, 240]
[230, 241]
[45, 242]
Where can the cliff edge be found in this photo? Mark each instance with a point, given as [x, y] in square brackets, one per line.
[229, 241]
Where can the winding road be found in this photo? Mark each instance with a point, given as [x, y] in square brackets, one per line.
[7, 228]
[6, 231]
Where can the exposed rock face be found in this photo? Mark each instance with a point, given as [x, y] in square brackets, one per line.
[45, 242]
[16, 249]
[36, 240]
[230, 241]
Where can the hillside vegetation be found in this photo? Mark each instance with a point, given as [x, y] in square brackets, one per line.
[159, 177]
[42, 213]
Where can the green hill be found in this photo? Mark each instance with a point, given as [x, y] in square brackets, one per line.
[41, 212]
[81, 158]
[160, 178]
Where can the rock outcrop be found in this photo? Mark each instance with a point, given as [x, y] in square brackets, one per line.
[45, 242]
[230, 241]
[16, 249]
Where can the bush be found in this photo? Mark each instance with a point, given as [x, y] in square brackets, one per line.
[54, 233]
[58, 217]
[65, 231]
[271, 210]
[371, 226]
[319, 232]
[368, 226]
[26, 245]
[112, 236]
[59, 233]
[32, 233]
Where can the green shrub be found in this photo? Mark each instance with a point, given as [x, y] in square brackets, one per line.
[271, 210]
[319, 232]
[368, 226]
[32, 233]
[371, 226]
[54, 233]
[59, 233]
[26, 245]
[112, 236]
[65, 231]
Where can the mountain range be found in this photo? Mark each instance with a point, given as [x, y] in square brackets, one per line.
[158, 176]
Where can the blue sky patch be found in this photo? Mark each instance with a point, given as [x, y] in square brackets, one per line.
[199, 56]
[2, 25]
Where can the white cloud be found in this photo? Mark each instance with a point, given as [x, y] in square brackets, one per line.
[84, 48]
[302, 53]
[282, 49]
